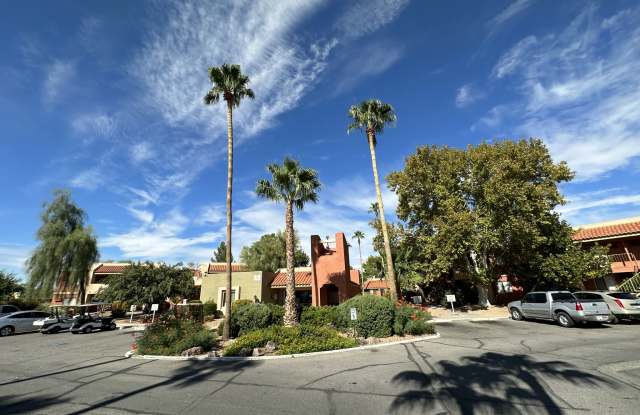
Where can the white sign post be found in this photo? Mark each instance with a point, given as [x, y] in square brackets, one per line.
[154, 308]
[451, 299]
[354, 314]
[132, 309]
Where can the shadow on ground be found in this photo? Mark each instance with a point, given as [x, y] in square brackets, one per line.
[13, 404]
[491, 383]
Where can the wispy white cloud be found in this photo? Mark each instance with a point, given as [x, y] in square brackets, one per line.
[467, 94]
[597, 206]
[94, 125]
[13, 257]
[509, 13]
[141, 152]
[88, 179]
[211, 215]
[57, 77]
[580, 91]
[492, 118]
[367, 16]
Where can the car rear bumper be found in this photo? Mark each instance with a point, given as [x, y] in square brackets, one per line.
[596, 318]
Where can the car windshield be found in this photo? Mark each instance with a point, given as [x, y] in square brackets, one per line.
[623, 296]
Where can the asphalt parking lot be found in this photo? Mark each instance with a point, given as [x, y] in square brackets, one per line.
[485, 367]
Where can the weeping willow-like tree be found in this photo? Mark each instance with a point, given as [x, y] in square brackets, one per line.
[66, 250]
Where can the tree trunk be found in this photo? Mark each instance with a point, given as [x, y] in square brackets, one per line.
[391, 275]
[227, 307]
[361, 273]
[483, 295]
[290, 314]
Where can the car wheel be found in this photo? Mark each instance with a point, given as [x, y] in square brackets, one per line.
[615, 320]
[86, 330]
[112, 326]
[516, 314]
[6, 331]
[564, 320]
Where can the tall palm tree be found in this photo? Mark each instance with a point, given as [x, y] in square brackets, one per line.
[371, 116]
[230, 84]
[359, 235]
[294, 186]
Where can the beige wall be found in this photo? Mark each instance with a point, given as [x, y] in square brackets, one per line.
[247, 285]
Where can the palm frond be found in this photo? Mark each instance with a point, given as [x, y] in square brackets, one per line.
[229, 83]
[290, 183]
[371, 114]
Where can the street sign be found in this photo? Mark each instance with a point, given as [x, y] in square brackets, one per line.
[417, 299]
[451, 298]
[354, 314]
[154, 307]
[132, 309]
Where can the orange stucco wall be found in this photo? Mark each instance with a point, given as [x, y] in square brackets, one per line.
[332, 279]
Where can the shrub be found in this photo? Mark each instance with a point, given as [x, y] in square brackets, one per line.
[375, 316]
[251, 316]
[220, 328]
[409, 320]
[319, 316]
[297, 339]
[240, 303]
[210, 308]
[191, 311]
[418, 327]
[171, 336]
[119, 309]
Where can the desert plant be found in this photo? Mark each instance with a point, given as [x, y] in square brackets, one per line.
[171, 336]
[375, 316]
[319, 316]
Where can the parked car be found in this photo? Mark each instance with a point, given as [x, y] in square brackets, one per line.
[7, 309]
[560, 306]
[624, 306]
[20, 322]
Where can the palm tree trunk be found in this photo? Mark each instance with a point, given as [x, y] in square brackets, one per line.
[391, 275]
[227, 307]
[290, 314]
[361, 274]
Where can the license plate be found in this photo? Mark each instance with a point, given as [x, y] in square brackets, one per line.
[38, 323]
[602, 318]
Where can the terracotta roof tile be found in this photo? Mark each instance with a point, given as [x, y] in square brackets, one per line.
[303, 279]
[606, 231]
[111, 269]
[222, 267]
[375, 284]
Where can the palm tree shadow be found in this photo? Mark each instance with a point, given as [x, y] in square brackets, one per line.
[13, 404]
[491, 383]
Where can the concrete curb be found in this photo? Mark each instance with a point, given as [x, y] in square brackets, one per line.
[131, 354]
[451, 320]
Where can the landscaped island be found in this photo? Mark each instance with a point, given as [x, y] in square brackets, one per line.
[257, 329]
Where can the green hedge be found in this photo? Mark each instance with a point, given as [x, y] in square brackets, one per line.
[409, 320]
[319, 316]
[171, 336]
[210, 308]
[375, 316]
[297, 339]
[250, 316]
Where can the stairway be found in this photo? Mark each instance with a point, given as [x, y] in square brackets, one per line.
[631, 284]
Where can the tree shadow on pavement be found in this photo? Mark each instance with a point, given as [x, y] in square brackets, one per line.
[193, 371]
[491, 383]
[13, 404]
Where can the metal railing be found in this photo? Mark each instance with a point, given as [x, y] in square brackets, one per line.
[631, 284]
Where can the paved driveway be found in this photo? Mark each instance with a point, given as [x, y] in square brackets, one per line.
[474, 368]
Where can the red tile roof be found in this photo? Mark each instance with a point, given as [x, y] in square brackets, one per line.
[303, 279]
[375, 284]
[606, 231]
[110, 269]
[222, 267]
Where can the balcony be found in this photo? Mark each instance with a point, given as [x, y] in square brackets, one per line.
[624, 263]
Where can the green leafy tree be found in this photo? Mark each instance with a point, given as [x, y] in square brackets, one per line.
[66, 251]
[373, 267]
[220, 254]
[9, 285]
[484, 211]
[371, 117]
[233, 86]
[147, 283]
[294, 186]
[269, 253]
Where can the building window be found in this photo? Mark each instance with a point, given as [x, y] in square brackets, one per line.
[224, 297]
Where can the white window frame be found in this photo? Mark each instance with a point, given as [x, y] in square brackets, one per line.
[235, 288]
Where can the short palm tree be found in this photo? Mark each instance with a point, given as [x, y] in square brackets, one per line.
[294, 186]
[230, 84]
[359, 235]
[371, 116]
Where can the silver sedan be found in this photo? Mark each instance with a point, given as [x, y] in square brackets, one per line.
[20, 322]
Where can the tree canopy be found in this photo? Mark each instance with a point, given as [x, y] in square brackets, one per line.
[269, 253]
[220, 254]
[9, 285]
[66, 250]
[486, 210]
[148, 283]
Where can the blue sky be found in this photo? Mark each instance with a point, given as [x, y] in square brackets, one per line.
[105, 98]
